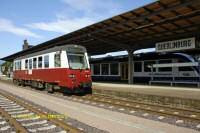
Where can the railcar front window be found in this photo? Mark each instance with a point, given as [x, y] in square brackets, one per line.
[77, 61]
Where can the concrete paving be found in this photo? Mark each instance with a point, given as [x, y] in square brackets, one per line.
[180, 92]
[113, 122]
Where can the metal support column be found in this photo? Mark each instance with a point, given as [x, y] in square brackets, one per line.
[130, 66]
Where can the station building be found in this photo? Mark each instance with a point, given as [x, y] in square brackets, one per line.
[171, 26]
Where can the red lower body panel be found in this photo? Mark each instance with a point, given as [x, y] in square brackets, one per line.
[59, 76]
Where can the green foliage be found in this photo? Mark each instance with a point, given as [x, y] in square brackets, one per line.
[5, 67]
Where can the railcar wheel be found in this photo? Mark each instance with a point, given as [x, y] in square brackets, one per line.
[23, 83]
[14, 81]
[88, 91]
[18, 82]
[49, 88]
[33, 84]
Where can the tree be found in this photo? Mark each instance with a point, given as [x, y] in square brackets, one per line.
[6, 68]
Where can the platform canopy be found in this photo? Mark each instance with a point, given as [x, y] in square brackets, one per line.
[137, 29]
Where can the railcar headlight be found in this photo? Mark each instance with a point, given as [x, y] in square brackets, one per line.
[71, 76]
[87, 75]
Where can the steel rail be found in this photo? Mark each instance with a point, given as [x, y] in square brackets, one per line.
[57, 122]
[18, 127]
[154, 111]
[148, 104]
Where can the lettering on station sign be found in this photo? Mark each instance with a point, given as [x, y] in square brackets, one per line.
[175, 45]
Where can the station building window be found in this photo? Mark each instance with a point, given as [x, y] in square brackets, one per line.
[165, 69]
[34, 63]
[104, 69]
[96, 69]
[40, 62]
[30, 64]
[26, 64]
[57, 60]
[147, 66]
[46, 61]
[138, 67]
[114, 69]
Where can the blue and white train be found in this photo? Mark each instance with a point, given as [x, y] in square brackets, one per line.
[151, 67]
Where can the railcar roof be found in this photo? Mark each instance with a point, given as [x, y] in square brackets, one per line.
[137, 29]
[141, 56]
[53, 49]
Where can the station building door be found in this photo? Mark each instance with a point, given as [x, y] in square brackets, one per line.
[124, 71]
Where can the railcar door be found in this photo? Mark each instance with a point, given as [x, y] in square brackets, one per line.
[124, 71]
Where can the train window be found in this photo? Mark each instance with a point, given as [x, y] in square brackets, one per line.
[34, 63]
[114, 68]
[46, 61]
[40, 62]
[165, 69]
[57, 60]
[138, 67]
[16, 67]
[26, 64]
[96, 69]
[30, 64]
[104, 69]
[185, 69]
[77, 61]
[147, 66]
[20, 65]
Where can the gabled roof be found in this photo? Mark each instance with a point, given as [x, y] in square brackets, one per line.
[139, 28]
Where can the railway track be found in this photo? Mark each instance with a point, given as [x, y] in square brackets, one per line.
[162, 110]
[178, 116]
[20, 116]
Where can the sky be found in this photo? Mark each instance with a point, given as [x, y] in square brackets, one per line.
[41, 20]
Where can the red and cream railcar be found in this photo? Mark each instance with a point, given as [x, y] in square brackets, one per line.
[64, 67]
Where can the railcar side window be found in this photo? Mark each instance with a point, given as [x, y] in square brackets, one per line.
[114, 68]
[185, 69]
[20, 65]
[147, 66]
[15, 65]
[96, 69]
[30, 64]
[104, 69]
[57, 60]
[26, 64]
[138, 67]
[40, 62]
[34, 63]
[46, 61]
[165, 69]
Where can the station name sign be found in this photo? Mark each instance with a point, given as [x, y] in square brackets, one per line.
[176, 45]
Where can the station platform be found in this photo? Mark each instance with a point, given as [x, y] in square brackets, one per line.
[167, 95]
